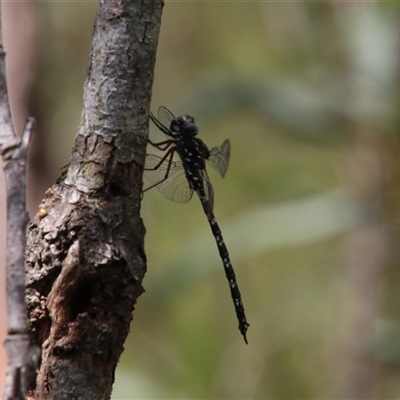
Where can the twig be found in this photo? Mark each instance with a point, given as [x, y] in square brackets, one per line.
[14, 154]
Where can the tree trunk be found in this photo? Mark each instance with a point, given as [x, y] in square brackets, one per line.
[85, 259]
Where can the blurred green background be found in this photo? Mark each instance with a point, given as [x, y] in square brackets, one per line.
[308, 93]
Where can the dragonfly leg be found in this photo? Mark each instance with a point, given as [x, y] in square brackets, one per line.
[161, 145]
[170, 154]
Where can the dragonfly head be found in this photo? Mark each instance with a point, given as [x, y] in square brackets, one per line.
[184, 125]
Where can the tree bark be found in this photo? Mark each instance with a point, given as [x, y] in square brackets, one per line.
[85, 259]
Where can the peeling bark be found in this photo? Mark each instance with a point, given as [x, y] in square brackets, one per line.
[85, 259]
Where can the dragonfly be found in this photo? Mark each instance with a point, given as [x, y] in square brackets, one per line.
[178, 180]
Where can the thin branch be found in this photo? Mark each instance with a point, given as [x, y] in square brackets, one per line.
[14, 154]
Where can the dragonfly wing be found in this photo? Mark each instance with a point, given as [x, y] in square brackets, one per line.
[165, 116]
[160, 126]
[219, 157]
[163, 120]
[175, 187]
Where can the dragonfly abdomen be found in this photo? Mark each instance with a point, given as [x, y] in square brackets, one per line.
[229, 271]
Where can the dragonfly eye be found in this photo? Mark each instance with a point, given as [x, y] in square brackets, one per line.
[190, 129]
[184, 125]
[176, 124]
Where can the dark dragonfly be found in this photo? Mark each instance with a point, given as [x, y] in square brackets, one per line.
[177, 180]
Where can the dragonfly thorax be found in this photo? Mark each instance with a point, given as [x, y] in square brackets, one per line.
[193, 152]
[184, 125]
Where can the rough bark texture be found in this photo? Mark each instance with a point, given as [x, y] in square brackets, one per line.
[85, 260]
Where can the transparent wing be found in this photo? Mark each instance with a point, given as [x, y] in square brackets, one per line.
[219, 157]
[165, 116]
[175, 187]
[163, 120]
